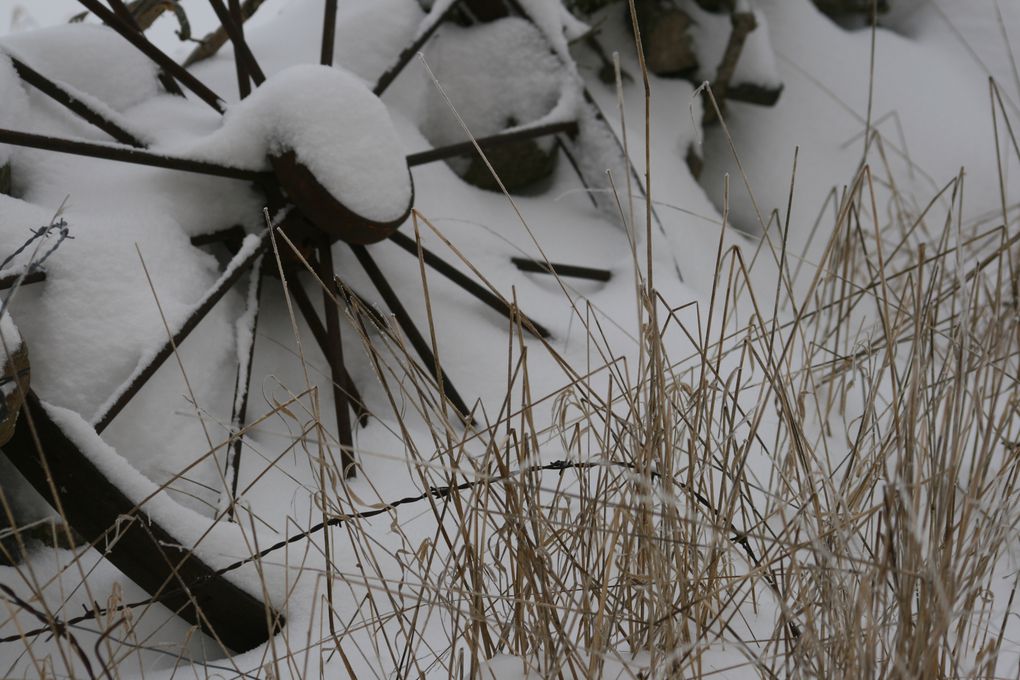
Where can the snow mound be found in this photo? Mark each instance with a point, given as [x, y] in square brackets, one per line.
[91, 59]
[337, 128]
[499, 76]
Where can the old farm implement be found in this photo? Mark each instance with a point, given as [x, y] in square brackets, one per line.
[314, 190]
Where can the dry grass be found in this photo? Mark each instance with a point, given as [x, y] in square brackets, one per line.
[812, 479]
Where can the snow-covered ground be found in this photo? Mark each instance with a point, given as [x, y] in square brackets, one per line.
[96, 317]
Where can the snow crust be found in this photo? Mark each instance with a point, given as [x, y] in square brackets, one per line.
[337, 128]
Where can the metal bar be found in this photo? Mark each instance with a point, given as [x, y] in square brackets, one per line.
[129, 19]
[69, 101]
[539, 267]
[421, 347]
[488, 10]
[146, 552]
[387, 78]
[328, 33]
[311, 317]
[142, 374]
[241, 49]
[8, 280]
[240, 410]
[465, 282]
[234, 233]
[432, 155]
[577, 171]
[243, 80]
[128, 155]
[335, 357]
[214, 40]
[143, 45]
[124, 14]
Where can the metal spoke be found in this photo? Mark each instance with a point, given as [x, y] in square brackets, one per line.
[9, 280]
[328, 33]
[405, 57]
[540, 267]
[235, 233]
[335, 357]
[465, 282]
[128, 155]
[461, 148]
[242, 389]
[577, 171]
[421, 347]
[311, 317]
[243, 79]
[125, 15]
[241, 49]
[143, 45]
[126, 393]
[67, 99]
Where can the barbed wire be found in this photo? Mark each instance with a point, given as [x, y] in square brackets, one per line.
[59, 226]
[35, 261]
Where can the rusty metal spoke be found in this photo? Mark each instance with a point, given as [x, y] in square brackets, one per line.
[470, 285]
[328, 33]
[241, 50]
[155, 54]
[8, 280]
[142, 374]
[67, 99]
[421, 347]
[243, 79]
[311, 317]
[127, 155]
[242, 388]
[335, 357]
[387, 78]
[526, 264]
[231, 236]
[461, 148]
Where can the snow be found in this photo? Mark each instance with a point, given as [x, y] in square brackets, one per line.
[530, 86]
[369, 37]
[216, 543]
[757, 63]
[336, 126]
[91, 59]
[95, 319]
[15, 103]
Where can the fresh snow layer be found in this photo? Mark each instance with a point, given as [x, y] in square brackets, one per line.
[336, 126]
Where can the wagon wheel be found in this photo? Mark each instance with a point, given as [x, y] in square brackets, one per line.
[315, 208]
